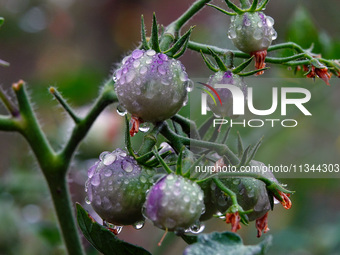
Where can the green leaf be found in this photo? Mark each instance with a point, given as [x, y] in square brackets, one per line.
[226, 243]
[103, 239]
[222, 10]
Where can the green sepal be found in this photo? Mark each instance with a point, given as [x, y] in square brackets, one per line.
[252, 72]
[253, 153]
[239, 145]
[262, 5]
[145, 45]
[222, 10]
[161, 161]
[234, 7]
[179, 162]
[182, 42]
[253, 6]
[241, 67]
[218, 60]
[209, 64]
[244, 158]
[317, 64]
[154, 41]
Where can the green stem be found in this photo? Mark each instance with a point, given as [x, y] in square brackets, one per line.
[53, 168]
[227, 191]
[150, 139]
[188, 126]
[301, 53]
[172, 30]
[107, 97]
[65, 214]
[178, 141]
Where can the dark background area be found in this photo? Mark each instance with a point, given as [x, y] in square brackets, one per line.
[74, 45]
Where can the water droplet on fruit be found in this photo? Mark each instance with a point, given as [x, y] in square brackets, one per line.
[232, 19]
[95, 181]
[161, 70]
[274, 34]
[137, 54]
[139, 225]
[91, 171]
[125, 59]
[108, 173]
[186, 198]
[121, 110]
[163, 57]
[127, 166]
[236, 181]
[114, 228]
[144, 127]
[143, 70]
[257, 34]
[165, 82]
[221, 201]
[270, 21]
[109, 159]
[189, 85]
[115, 79]
[87, 200]
[259, 24]
[130, 76]
[150, 52]
[231, 34]
[239, 28]
[136, 63]
[197, 228]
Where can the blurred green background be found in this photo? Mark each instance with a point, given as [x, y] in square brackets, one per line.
[74, 45]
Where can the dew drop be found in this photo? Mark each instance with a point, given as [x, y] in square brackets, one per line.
[109, 159]
[150, 53]
[115, 79]
[161, 70]
[257, 34]
[139, 225]
[144, 127]
[108, 173]
[236, 181]
[186, 199]
[165, 82]
[95, 181]
[259, 24]
[183, 76]
[143, 70]
[118, 74]
[121, 110]
[189, 85]
[116, 229]
[239, 28]
[127, 166]
[197, 228]
[130, 76]
[137, 54]
[125, 59]
[148, 61]
[87, 200]
[231, 34]
[274, 34]
[91, 171]
[221, 201]
[136, 63]
[163, 57]
[270, 21]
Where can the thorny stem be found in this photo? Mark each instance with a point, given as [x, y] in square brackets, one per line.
[54, 165]
[302, 57]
